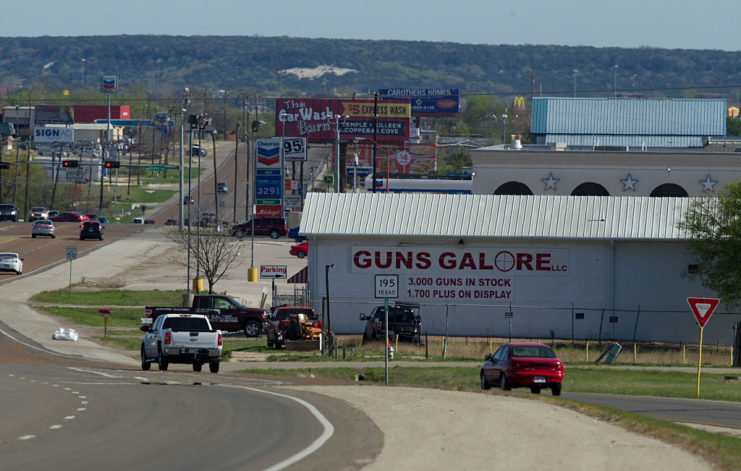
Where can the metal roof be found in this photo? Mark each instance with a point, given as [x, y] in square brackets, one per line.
[493, 216]
[628, 116]
[634, 142]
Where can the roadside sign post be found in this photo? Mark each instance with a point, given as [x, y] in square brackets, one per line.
[106, 312]
[273, 272]
[702, 308]
[386, 286]
[71, 255]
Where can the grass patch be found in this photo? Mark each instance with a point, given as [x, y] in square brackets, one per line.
[121, 317]
[125, 343]
[112, 297]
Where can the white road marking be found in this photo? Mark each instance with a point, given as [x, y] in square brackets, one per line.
[85, 370]
[26, 437]
[84, 403]
[55, 427]
[83, 397]
[69, 417]
[80, 409]
[315, 445]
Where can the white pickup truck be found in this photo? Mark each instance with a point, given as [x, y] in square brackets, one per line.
[181, 338]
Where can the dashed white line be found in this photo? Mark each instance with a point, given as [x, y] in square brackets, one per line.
[55, 427]
[69, 417]
[80, 409]
[26, 437]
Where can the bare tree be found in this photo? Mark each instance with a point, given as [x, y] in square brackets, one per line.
[218, 252]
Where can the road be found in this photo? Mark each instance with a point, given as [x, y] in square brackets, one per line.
[65, 413]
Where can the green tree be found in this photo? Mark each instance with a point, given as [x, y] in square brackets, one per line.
[714, 227]
[733, 126]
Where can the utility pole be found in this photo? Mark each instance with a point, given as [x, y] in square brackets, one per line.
[236, 181]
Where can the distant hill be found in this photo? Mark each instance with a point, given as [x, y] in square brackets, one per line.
[162, 63]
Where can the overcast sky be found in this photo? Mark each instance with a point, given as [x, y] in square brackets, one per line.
[676, 24]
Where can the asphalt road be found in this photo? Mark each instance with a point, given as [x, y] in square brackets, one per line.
[66, 413]
[697, 411]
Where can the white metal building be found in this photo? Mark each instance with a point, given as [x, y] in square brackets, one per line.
[565, 266]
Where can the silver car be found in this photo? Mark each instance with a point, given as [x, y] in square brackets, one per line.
[10, 261]
[43, 227]
[38, 212]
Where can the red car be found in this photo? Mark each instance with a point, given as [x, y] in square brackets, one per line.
[530, 365]
[70, 217]
[300, 250]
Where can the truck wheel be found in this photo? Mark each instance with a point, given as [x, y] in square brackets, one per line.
[145, 364]
[251, 329]
[239, 234]
[274, 234]
[213, 366]
[197, 365]
[162, 362]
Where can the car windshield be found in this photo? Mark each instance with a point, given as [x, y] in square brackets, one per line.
[532, 351]
[8, 256]
[193, 324]
[43, 222]
[37, 210]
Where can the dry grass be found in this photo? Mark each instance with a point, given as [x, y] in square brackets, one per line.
[474, 348]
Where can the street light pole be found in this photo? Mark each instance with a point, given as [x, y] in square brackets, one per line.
[337, 151]
[375, 131]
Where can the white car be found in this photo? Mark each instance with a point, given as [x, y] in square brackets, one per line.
[10, 261]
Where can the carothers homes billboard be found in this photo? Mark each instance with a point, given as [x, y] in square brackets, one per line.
[450, 273]
[314, 119]
[426, 101]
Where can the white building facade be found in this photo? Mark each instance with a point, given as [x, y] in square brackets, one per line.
[565, 267]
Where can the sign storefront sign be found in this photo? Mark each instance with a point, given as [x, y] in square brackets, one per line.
[452, 273]
[314, 119]
[294, 149]
[427, 101]
[66, 135]
[273, 271]
[269, 177]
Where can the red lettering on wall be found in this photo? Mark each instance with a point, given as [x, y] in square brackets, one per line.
[423, 261]
[524, 260]
[361, 259]
[447, 260]
[402, 260]
[542, 261]
[467, 262]
[385, 264]
[482, 262]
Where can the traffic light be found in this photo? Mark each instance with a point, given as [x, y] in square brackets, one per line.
[112, 164]
[70, 163]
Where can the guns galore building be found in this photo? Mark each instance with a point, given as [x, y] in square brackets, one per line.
[584, 267]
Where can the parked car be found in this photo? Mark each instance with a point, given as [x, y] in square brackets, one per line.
[188, 200]
[300, 250]
[273, 227]
[70, 217]
[10, 261]
[529, 365]
[222, 187]
[196, 151]
[150, 221]
[103, 220]
[38, 212]
[43, 227]
[8, 211]
[404, 321]
[91, 230]
[52, 213]
[293, 234]
[171, 222]
[137, 221]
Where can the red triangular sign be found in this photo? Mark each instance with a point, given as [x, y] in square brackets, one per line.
[702, 308]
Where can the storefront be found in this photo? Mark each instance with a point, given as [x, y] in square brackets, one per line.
[529, 266]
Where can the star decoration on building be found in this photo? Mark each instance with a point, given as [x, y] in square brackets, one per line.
[550, 182]
[629, 183]
[709, 184]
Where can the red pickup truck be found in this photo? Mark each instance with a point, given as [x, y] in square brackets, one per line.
[223, 312]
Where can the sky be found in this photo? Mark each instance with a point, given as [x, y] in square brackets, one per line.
[676, 24]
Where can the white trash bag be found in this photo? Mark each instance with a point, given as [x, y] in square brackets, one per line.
[65, 334]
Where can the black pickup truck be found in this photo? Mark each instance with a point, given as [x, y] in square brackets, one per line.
[404, 321]
[224, 313]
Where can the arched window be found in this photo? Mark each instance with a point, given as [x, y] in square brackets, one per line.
[669, 189]
[590, 189]
[513, 188]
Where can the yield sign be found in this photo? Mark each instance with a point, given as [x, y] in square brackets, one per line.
[702, 308]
